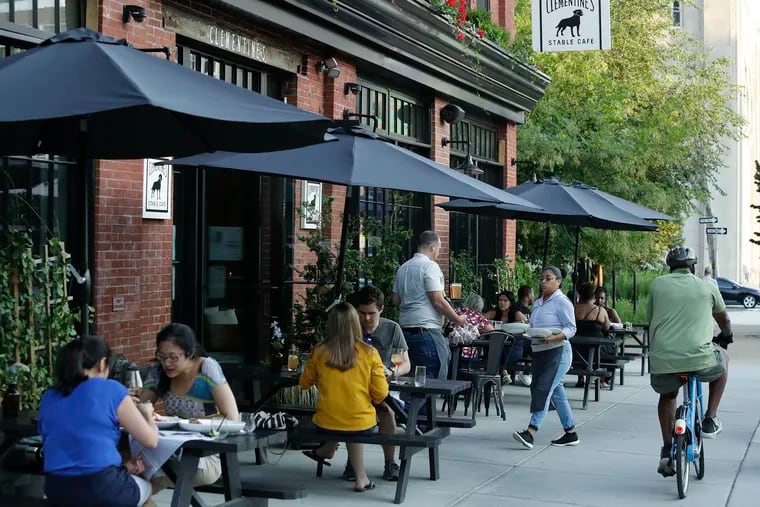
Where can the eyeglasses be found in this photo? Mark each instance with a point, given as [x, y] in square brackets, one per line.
[169, 358]
[546, 278]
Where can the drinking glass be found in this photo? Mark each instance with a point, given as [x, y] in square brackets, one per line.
[397, 357]
[293, 360]
[420, 375]
[134, 382]
[250, 423]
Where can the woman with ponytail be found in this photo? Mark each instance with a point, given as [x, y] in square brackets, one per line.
[79, 421]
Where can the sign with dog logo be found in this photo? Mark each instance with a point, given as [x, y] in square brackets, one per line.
[571, 25]
[157, 190]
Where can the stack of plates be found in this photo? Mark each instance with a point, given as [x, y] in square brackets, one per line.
[515, 328]
[540, 332]
[206, 425]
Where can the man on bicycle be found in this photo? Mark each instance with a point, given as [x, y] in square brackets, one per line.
[680, 313]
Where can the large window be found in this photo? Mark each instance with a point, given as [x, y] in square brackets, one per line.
[51, 16]
[34, 193]
[676, 15]
[406, 120]
[482, 237]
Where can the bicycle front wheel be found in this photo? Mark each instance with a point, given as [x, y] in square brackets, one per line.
[699, 445]
[682, 465]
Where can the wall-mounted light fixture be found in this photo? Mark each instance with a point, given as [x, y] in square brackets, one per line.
[352, 88]
[135, 12]
[451, 113]
[469, 166]
[330, 66]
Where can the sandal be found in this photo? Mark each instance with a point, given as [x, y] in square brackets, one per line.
[316, 457]
[370, 485]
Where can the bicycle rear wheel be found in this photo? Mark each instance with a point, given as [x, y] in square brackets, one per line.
[699, 445]
[682, 465]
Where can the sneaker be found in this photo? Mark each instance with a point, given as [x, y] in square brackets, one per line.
[711, 427]
[524, 378]
[391, 471]
[567, 439]
[665, 467]
[524, 437]
[348, 472]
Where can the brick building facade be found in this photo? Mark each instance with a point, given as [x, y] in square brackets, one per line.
[148, 272]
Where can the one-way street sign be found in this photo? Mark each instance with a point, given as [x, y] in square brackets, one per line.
[716, 230]
[708, 220]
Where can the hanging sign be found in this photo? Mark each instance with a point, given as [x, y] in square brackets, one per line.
[157, 189]
[716, 230]
[571, 25]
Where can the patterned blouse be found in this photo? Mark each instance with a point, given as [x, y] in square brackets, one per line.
[198, 401]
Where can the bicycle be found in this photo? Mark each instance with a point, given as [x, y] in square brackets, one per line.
[687, 447]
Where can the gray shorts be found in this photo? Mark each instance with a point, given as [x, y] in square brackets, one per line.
[664, 383]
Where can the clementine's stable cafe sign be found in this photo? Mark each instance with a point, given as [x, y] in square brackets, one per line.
[571, 25]
[209, 32]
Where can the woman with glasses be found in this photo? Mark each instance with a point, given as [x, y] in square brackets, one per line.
[191, 385]
[552, 357]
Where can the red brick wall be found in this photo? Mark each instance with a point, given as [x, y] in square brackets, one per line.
[440, 154]
[132, 257]
[507, 151]
[504, 13]
[315, 92]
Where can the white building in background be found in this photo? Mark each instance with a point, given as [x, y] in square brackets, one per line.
[731, 29]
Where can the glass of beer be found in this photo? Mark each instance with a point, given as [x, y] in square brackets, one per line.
[293, 360]
[455, 290]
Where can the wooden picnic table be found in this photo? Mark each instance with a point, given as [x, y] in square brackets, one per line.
[641, 335]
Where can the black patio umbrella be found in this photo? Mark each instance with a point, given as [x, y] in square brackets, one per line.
[573, 204]
[84, 94]
[362, 158]
[87, 95]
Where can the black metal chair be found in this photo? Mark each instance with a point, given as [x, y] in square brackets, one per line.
[486, 381]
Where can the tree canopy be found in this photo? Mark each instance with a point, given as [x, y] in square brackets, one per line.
[644, 121]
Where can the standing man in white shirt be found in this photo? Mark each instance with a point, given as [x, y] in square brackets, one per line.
[418, 291]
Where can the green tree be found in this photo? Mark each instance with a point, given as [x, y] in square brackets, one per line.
[644, 120]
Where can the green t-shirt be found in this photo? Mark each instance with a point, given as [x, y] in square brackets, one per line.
[680, 315]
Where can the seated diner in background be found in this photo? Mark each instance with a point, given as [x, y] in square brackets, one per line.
[600, 299]
[191, 385]
[506, 310]
[590, 320]
[472, 312]
[350, 377]
[79, 421]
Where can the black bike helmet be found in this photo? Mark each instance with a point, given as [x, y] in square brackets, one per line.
[681, 256]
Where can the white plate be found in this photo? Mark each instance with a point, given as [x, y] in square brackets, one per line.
[538, 332]
[616, 325]
[167, 421]
[206, 425]
[515, 327]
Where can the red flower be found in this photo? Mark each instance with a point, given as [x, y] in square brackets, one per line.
[452, 3]
[460, 35]
[480, 33]
[462, 7]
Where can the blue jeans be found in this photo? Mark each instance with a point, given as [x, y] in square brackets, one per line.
[431, 350]
[557, 394]
[111, 487]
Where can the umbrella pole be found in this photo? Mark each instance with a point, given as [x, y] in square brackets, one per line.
[89, 186]
[546, 244]
[574, 276]
[343, 245]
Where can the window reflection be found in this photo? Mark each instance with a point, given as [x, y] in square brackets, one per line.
[52, 16]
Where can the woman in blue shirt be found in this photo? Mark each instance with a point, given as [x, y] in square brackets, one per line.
[551, 360]
[79, 421]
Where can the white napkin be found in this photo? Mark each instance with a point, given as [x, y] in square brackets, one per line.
[168, 443]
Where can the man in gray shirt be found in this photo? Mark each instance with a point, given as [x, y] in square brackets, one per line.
[385, 335]
[418, 291]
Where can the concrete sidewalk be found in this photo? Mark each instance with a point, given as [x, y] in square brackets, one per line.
[614, 465]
